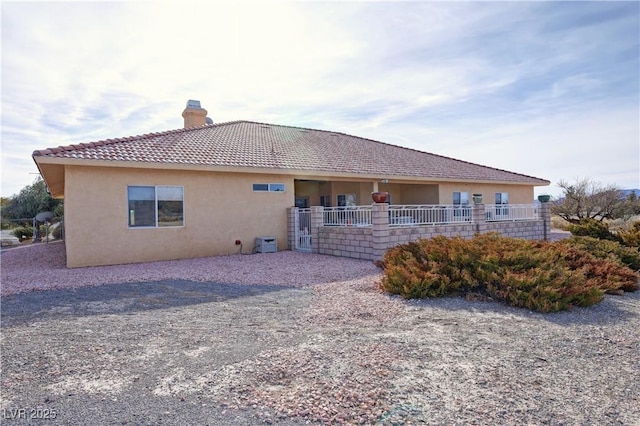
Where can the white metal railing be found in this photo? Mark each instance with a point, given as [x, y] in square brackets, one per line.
[510, 212]
[347, 216]
[428, 214]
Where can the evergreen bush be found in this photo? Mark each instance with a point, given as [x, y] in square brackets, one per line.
[536, 275]
[592, 228]
[23, 232]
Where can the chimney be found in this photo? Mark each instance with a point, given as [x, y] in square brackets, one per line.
[194, 115]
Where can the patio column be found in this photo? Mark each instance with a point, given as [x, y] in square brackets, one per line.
[317, 219]
[379, 229]
[545, 215]
[291, 227]
[479, 218]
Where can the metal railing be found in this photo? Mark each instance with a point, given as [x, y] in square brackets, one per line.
[429, 214]
[347, 216]
[510, 212]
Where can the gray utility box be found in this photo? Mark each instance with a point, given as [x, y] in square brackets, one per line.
[266, 245]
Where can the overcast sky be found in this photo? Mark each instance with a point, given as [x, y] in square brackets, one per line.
[548, 89]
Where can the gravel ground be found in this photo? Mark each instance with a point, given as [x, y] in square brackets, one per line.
[291, 339]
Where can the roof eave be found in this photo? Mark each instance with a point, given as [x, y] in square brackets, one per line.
[298, 173]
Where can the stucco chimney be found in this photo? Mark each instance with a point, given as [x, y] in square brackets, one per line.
[194, 115]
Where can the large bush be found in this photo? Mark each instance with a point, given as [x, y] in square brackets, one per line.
[592, 228]
[540, 276]
[607, 250]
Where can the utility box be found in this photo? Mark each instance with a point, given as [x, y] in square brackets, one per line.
[266, 245]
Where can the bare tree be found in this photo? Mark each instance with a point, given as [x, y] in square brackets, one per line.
[586, 198]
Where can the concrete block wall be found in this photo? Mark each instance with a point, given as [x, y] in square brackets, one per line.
[528, 230]
[370, 243]
[353, 242]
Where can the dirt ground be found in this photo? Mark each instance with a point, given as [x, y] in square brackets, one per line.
[179, 351]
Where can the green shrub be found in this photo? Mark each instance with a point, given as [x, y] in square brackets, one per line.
[608, 250]
[592, 228]
[536, 275]
[23, 232]
[631, 237]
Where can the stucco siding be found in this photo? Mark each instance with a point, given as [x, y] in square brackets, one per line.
[518, 194]
[219, 208]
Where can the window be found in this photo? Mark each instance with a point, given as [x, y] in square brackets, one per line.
[268, 187]
[346, 200]
[502, 199]
[155, 206]
[460, 198]
[325, 200]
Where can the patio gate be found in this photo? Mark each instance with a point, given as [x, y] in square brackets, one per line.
[303, 230]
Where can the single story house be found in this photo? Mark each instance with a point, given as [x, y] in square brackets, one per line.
[197, 191]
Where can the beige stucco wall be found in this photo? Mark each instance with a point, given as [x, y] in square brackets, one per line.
[407, 193]
[412, 193]
[518, 194]
[219, 208]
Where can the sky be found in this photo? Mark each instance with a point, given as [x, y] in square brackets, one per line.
[546, 89]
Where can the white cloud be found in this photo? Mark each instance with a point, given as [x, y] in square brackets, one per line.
[491, 83]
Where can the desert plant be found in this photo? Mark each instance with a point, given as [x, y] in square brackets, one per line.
[592, 228]
[587, 199]
[559, 223]
[607, 250]
[23, 232]
[536, 275]
[631, 236]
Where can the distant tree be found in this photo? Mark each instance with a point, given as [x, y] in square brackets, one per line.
[630, 206]
[587, 199]
[31, 200]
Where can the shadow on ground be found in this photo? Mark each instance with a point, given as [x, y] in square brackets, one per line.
[611, 310]
[123, 299]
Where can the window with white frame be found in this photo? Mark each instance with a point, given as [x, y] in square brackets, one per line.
[345, 200]
[460, 198]
[155, 206]
[268, 187]
[325, 200]
[502, 199]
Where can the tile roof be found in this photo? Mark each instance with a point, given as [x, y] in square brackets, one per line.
[272, 147]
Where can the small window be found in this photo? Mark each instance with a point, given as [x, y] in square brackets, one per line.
[502, 198]
[155, 206]
[345, 200]
[268, 187]
[325, 200]
[460, 198]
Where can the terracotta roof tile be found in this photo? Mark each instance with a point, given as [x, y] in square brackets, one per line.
[261, 145]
